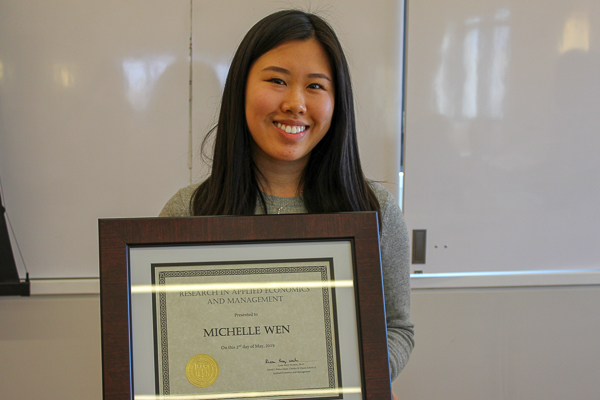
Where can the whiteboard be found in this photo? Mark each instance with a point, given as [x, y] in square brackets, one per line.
[95, 117]
[93, 113]
[503, 134]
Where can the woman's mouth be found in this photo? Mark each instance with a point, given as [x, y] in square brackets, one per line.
[293, 129]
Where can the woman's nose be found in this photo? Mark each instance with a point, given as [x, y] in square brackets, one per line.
[294, 103]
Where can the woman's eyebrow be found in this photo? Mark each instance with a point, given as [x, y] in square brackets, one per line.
[277, 69]
[323, 76]
[287, 72]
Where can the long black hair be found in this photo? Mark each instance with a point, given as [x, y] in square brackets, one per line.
[333, 179]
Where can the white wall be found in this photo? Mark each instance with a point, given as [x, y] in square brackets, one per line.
[534, 343]
[50, 347]
[472, 344]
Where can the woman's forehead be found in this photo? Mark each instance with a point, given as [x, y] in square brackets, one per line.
[298, 54]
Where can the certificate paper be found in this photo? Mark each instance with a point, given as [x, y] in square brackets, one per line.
[261, 326]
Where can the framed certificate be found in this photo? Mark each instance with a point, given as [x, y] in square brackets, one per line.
[257, 307]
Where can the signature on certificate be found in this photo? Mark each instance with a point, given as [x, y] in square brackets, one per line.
[283, 361]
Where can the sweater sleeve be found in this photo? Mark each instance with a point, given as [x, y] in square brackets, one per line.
[395, 261]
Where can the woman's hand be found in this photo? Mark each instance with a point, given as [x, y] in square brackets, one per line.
[394, 397]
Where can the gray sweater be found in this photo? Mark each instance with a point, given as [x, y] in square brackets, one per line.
[395, 255]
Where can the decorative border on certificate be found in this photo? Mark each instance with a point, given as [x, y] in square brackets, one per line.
[272, 321]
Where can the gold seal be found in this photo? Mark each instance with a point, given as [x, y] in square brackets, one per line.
[202, 370]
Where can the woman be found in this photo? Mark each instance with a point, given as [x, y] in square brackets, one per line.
[286, 143]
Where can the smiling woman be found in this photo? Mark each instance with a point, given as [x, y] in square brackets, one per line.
[286, 143]
[289, 106]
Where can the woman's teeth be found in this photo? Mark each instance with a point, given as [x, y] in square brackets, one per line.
[290, 129]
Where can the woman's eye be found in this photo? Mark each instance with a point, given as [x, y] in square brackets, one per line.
[315, 86]
[277, 81]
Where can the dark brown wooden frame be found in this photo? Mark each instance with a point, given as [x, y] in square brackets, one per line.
[118, 235]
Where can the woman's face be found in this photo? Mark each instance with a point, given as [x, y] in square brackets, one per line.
[289, 102]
